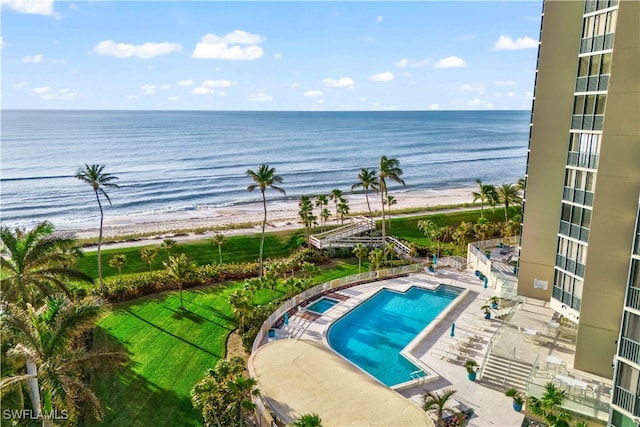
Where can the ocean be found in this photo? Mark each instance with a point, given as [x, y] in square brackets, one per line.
[170, 161]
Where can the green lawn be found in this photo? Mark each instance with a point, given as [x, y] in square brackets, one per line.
[170, 349]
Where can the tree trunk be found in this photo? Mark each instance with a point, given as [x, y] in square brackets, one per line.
[34, 389]
[384, 238]
[366, 195]
[264, 224]
[102, 288]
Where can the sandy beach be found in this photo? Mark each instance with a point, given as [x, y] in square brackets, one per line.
[282, 214]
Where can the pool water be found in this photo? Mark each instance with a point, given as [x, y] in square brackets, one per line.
[322, 305]
[372, 335]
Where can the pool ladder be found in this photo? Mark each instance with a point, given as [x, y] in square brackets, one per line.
[418, 376]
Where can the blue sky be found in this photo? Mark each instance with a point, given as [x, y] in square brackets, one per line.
[165, 55]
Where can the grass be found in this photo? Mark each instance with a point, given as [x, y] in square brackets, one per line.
[170, 349]
[244, 248]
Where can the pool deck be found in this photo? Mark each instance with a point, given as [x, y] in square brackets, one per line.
[436, 352]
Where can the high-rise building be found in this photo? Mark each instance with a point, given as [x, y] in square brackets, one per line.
[583, 184]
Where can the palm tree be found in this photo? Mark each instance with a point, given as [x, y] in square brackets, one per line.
[168, 245]
[148, 255]
[95, 176]
[343, 209]
[375, 256]
[390, 201]
[389, 169]
[549, 406]
[179, 269]
[308, 420]
[241, 389]
[241, 304]
[508, 194]
[437, 403]
[118, 261]
[49, 342]
[265, 177]
[486, 193]
[368, 180]
[360, 251]
[218, 240]
[322, 202]
[306, 216]
[37, 262]
[336, 195]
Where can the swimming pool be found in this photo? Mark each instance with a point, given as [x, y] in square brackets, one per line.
[322, 305]
[372, 335]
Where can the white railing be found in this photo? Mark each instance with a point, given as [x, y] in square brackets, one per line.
[318, 289]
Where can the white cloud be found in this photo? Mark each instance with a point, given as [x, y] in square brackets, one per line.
[259, 97]
[148, 89]
[507, 43]
[295, 85]
[144, 51]
[228, 46]
[20, 85]
[165, 87]
[387, 76]
[202, 91]
[277, 56]
[313, 93]
[173, 98]
[477, 102]
[1, 42]
[362, 99]
[405, 62]
[35, 59]
[62, 94]
[471, 88]
[218, 83]
[504, 83]
[41, 90]
[434, 107]
[34, 7]
[450, 62]
[185, 83]
[341, 82]
[379, 19]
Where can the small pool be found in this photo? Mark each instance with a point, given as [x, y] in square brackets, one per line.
[372, 335]
[322, 305]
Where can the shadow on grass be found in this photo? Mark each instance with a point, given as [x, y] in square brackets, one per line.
[129, 399]
[184, 313]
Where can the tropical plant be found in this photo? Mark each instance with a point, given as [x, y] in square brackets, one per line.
[218, 240]
[390, 201]
[168, 245]
[471, 366]
[389, 169]
[118, 261]
[343, 209]
[360, 251]
[438, 404]
[265, 177]
[486, 194]
[307, 420]
[148, 255]
[48, 341]
[508, 194]
[36, 262]
[521, 184]
[549, 406]
[224, 395]
[376, 256]
[240, 301]
[322, 201]
[307, 217]
[179, 270]
[99, 180]
[515, 396]
[368, 180]
[335, 196]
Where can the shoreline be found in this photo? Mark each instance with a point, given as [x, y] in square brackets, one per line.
[281, 215]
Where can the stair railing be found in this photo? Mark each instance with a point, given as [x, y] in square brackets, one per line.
[532, 375]
[513, 356]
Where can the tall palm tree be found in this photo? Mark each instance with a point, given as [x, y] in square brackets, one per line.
[438, 403]
[306, 216]
[48, 341]
[508, 194]
[218, 240]
[368, 180]
[389, 169]
[148, 255]
[360, 251]
[240, 302]
[118, 261]
[179, 269]
[322, 201]
[390, 201]
[37, 262]
[265, 177]
[486, 194]
[241, 389]
[336, 195]
[98, 179]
